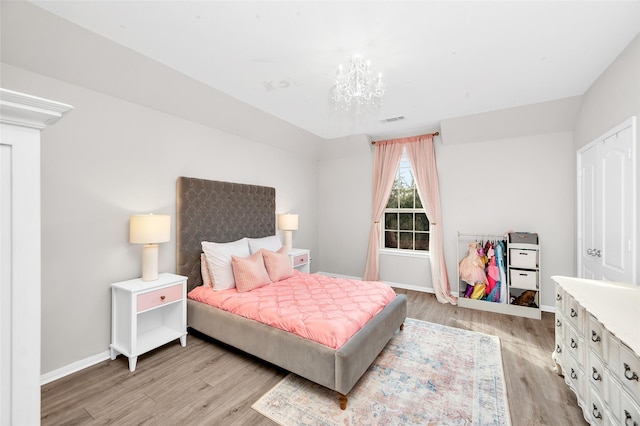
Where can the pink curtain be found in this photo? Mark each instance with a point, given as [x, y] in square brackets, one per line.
[385, 165]
[422, 157]
[421, 153]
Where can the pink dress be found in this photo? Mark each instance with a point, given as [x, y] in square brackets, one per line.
[472, 267]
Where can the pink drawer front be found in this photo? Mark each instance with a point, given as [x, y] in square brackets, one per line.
[300, 259]
[159, 297]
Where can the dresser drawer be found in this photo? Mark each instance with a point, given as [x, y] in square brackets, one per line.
[575, 314]
[574, 346]
[521, 278]
[574, 377]
[628, 372]
[160, 297]
[596, 373]
[596, 336]
[629, 412]
[523, 258]
[560, 294]
[595, 407]
[300, 259]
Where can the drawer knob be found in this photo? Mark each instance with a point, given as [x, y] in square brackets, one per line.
[573, 344]
[596, 376]
[574, 376]
[558, 297]
[558, 349]
[628, 417]
[558, 323]
[627, 370]
[573, 313]
[161, 297]
[594, 336]
[596, 412]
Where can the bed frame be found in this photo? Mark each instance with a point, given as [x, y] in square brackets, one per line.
[223, 212]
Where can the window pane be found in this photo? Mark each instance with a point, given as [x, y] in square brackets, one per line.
[393, 198]
[422, 223]
[418, 200]
[406, 221]
[391, 239]
[391, 221]
[422, 241]
[406, 198]
[405, 176]
[406, 240]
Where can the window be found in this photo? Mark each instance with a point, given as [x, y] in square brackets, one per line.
[405, 225]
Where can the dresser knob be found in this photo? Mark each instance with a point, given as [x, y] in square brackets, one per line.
[633, 375]
[573, 313]
[594, 336]
[596, 413]
[573, 344]
[574, 376]
[628, 417]
[558, 323]
[596, 376]
[558, 349]
[161, 297]
[558, 297]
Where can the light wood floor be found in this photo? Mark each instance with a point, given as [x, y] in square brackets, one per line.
[207, 383]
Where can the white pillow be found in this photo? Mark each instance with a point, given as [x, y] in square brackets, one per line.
[219, 260]
[271, 243]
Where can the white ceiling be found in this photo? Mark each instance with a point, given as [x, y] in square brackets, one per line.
[440, 59]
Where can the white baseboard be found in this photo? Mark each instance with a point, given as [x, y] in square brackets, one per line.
[543, 308]
[391, 283]
[73, 367]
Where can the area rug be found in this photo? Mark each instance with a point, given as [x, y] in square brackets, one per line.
[428, 374]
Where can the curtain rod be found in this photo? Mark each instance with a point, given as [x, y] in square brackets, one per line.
[434, 134]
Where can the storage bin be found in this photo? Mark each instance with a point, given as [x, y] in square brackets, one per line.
[521, 278]
[523, 237]
[523, 258]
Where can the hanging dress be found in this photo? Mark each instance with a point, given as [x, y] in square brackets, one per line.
[499, 252]
[472, 271]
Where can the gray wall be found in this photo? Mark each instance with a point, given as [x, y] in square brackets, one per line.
[490, 187]
[110, 158]
[611, 99]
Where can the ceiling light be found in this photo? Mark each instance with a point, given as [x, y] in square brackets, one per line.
[357, 86]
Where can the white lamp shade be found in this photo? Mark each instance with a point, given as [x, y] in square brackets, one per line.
[149, 229]
[288, 222]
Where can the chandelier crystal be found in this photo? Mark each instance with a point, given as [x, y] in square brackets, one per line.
[357, 86]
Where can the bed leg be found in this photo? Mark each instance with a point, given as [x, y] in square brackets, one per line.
[343, 401]
[401, 326]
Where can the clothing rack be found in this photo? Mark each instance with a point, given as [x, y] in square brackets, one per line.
[483, 236]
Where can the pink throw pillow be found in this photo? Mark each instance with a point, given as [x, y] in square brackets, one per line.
[207, 280]
[249, 272]
[278, 264]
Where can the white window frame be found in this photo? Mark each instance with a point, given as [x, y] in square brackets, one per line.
[404, 162]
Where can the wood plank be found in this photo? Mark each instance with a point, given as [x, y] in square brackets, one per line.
[208, 382]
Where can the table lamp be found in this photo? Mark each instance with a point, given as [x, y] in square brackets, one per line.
[288, 222]
[150, 230]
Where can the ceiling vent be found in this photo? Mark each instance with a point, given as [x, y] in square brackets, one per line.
[392, 119]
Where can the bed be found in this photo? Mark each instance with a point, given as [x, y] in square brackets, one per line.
[224, 212]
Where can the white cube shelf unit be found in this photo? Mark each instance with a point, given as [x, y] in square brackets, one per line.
[522, 273]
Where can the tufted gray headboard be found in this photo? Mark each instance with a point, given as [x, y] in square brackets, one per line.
[208, 210]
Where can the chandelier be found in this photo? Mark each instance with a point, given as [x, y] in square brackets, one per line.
[357, 86]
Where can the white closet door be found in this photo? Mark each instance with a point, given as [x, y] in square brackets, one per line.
[607, 206]
[617, 207]
[587, 187]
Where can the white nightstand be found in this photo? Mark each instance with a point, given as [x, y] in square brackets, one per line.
[145, 315]
[301, 260]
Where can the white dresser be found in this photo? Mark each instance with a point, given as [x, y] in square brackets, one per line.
[598, 347]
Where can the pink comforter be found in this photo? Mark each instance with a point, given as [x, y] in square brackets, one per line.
[320, 308]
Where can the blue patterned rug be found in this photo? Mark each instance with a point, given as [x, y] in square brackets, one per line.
[428, 374]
